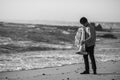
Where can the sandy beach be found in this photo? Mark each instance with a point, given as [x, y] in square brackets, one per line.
[105, 71]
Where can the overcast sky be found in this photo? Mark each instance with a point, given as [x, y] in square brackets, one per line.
[60, 10]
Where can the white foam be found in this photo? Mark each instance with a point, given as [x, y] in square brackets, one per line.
[30, 61]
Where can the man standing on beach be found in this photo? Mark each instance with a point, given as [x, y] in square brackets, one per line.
[90, 38]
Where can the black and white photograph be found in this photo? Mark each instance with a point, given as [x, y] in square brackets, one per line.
[59, 39]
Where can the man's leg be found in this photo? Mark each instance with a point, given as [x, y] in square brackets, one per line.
[93, 62]
[86, 62]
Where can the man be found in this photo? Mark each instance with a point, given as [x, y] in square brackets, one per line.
[90, 38]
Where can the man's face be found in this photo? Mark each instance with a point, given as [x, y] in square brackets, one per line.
[85, 24]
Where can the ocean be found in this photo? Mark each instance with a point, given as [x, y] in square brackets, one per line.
[45, 59]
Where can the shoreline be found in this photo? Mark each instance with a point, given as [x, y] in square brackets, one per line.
[36, 60]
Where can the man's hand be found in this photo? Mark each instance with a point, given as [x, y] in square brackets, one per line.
[82, 42]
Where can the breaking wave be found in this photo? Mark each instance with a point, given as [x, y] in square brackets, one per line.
[43, 59]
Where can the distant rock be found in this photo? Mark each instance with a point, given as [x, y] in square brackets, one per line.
[43, 74]
[98, 27]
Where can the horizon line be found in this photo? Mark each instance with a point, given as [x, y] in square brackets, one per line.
[52, 21]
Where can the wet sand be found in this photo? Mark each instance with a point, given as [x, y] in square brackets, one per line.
[109, 70]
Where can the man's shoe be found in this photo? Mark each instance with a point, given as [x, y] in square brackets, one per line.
[85, 72]
[95, 72]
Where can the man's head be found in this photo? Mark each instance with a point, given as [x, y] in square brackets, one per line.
[84, 21]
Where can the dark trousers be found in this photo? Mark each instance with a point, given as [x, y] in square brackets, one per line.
[90, 51]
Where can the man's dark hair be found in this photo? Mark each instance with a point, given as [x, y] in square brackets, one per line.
[83, 20]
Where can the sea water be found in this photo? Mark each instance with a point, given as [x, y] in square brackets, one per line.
[44, 59]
